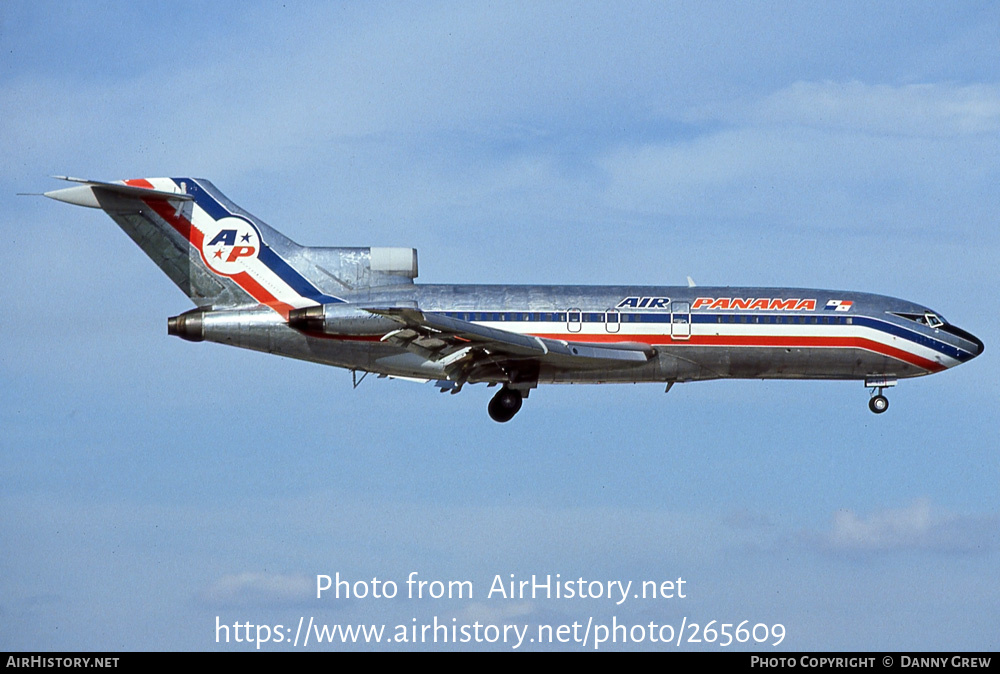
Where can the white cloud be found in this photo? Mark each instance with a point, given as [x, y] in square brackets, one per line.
[919, 526]
[260, 589]
[927, 110]
[823, 154]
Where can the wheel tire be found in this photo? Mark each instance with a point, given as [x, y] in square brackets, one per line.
[878, 404]
[504, 405]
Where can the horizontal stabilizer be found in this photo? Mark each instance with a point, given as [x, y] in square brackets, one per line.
[83, 195]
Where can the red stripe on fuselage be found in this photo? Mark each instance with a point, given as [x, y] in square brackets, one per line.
[762, 340]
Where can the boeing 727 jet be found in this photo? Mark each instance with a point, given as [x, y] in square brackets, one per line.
[359, 308]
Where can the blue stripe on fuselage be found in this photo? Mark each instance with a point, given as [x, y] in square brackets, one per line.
[665, 317]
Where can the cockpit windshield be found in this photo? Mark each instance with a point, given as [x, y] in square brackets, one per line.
[932, 320]
[928, 318]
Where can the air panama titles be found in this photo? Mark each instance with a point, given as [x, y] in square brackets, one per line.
[724, 303]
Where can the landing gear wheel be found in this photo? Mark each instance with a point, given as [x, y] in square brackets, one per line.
[878, 404]
[505, 405]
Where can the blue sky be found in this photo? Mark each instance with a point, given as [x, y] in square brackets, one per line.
[149, 485]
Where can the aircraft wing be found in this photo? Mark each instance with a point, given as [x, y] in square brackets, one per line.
[468, 346]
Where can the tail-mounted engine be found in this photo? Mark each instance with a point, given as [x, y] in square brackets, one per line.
[341, 319]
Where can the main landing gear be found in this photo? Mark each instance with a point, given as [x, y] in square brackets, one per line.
[878, 402]
[505, 404]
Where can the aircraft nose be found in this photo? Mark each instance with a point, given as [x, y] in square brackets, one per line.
[977, 344]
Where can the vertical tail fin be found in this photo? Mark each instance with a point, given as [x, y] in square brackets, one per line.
[217, 253]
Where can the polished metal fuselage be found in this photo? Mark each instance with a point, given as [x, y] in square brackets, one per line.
[870, 339]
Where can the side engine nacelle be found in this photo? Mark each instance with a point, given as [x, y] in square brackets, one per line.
[247, 328]
[341, 319]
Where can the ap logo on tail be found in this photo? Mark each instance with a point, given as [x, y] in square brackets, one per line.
[228, 244]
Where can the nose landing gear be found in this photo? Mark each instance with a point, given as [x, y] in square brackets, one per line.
[505, 404]
[878, 402]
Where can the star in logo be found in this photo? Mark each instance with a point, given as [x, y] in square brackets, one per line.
[246, 237]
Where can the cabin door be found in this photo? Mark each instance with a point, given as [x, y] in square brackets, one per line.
[680, 320]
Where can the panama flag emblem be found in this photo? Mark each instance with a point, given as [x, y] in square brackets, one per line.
[839, 305]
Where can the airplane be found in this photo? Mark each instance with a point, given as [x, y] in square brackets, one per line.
[360, 309]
